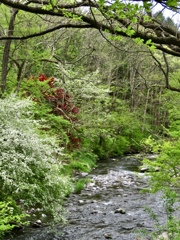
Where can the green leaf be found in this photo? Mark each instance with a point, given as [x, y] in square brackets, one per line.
[139, 41]
[172, 3]
[129, 31]
[148, 42]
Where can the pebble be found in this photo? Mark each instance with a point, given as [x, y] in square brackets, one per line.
[32, 210]
[37, 224]
[108, 236]
[84, 174]
[81, 201]
[39, 221]
[91, 184]
[144, 169]
[120, 210]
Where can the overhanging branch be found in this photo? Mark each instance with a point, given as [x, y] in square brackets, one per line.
[165, 38]
[68, 25]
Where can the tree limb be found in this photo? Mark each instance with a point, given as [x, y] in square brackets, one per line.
[115, 22]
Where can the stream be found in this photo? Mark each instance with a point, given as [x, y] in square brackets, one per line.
[111, 206]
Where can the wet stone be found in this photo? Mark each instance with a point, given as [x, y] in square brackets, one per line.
[37, 224]
[96, 211]
[128, 227]
[120, 210]
[84, 174]
[144, 169]
[107, 236]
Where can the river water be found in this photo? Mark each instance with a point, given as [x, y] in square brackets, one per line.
[111, 206]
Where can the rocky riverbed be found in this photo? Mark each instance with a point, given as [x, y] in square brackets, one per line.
[111, 206]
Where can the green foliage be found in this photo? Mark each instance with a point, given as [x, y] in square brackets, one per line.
[105, 146]
[108, 127]
[9, 217]
[35, 88]
[30, 164]
[150, 45]
[71, 15]
[80, 160]
[168, 164]
[168, 161]
[164, 175]
[151, 144]
[115, 133]
[129, 31]
[55, 106]
[139, 41]
[174, 116]
[172, 3]
[86, 159]
[173, 228]
[80, 184]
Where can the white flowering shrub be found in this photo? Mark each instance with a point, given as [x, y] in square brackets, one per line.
[30, 164]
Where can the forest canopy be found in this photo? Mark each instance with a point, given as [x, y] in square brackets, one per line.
[133, 19]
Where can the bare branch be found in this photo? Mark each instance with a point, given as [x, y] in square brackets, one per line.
[165, 72]
[68, 25]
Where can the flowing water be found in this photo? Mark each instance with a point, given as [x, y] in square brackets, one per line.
[111, 206]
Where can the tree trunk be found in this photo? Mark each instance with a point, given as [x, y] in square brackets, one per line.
[5, 58]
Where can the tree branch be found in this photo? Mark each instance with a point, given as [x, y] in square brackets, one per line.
[68, 25]
[165, 73]
[111, 20]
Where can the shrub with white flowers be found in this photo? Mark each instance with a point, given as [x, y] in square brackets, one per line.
[30, 163]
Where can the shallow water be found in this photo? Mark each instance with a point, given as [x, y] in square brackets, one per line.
[110, 207]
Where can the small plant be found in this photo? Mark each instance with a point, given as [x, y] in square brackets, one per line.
[9, 217]
[80, 184]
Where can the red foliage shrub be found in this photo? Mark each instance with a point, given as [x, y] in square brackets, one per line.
[61, 101]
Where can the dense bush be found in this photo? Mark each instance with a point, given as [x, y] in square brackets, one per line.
[56, 105]
[164, 173]
[30, 164]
